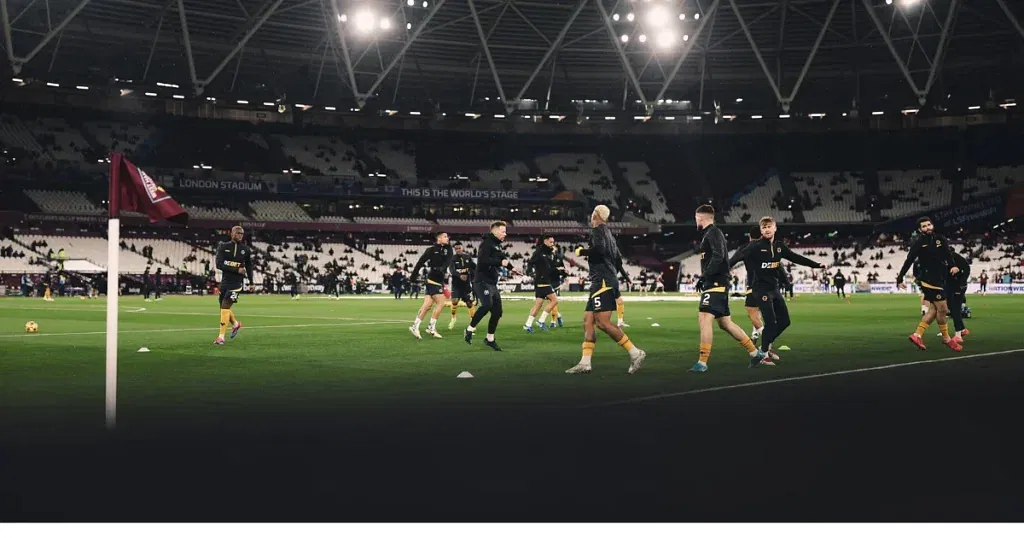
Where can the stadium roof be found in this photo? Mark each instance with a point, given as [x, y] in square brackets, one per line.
[702, 51]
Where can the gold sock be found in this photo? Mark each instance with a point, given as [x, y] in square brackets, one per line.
[225, 315]
[747, 344]
[621, 309]
[705, 353]
[455, 309]
[588, 351]
[625, 343]
[921, 328]
[232, 320]
[554, 312]
[472, 311]
[944, 329]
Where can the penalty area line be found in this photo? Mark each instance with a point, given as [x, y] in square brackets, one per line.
[196, 329]
[680, 394]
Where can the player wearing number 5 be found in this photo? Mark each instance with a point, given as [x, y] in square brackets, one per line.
[605, 262]
[713, 286]
[234, 260]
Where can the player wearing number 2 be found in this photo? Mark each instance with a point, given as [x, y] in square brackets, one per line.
[713, 286]
[234, 260]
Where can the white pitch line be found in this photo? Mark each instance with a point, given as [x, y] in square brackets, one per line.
[798, 378]
[38, 335]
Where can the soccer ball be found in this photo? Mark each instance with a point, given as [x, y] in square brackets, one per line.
[31, 327]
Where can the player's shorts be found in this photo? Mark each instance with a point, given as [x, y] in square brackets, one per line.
[932, 293]
[462, 292]
[602, 298]
[750, 300]
[715, 301]
[231, 295]
[434, 288]
[541, 291]
[488, 295]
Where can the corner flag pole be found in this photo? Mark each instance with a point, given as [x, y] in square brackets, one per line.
[113, 259]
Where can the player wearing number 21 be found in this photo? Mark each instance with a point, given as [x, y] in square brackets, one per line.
[234, 260]
[713, 286]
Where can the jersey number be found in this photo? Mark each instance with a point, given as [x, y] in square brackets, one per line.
[705, 300]
[597, 302]
[234, 296]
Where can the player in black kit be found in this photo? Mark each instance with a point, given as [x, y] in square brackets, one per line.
[839, 280]
[753, 312]
[438, 259]
[605, 262]
[713, 287]
[491, 258]
[234, 260]
[462, 271]
[936, 265]
[543, 265]
[956, 291]
[767, 255]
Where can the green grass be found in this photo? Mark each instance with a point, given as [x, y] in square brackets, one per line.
[317, 354]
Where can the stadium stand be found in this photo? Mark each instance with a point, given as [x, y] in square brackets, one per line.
[833, 197]
[65, 143]
[757, 202]
[639, 176]
[392, 220]
[327, 156]
[989, 180]
[914, 191]
[398, 157]
[63, 202]
[278, 211]
[213, 213]
[122, 137]
[585, 173]
[14, 134]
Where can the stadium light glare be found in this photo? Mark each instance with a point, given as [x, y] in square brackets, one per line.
[682, 16]
[414, 113]
[784, 116]
[609, 118]
[385, 24]
[408, 26]
[81, 87]
[243, 102]
[18, 80]
[499, 116]
[670, 118]
[657, 16]
[1008, 105]
[888, 2]
[411, 3]
[666, 40]
[331, 108]
[615, 17]
[974, 107]
[642, 38]
[364, 21]
[696, 16]
[756, 117]
[630, 16]
[624, 38]
[53, 84]
[686, 37]
[877, 113]
[178, 96]
[739, 99]
[425, 4]
[150, 94]
[343, 18]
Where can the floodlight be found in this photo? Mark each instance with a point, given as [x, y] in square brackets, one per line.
[364, 21]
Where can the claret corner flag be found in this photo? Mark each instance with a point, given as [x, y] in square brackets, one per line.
[131, 189]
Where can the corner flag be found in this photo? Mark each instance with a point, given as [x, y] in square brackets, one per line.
[130, 189]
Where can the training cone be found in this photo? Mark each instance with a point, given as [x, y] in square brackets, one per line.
[465, 375]
[783, 348]
[655, 325]
[143, 350]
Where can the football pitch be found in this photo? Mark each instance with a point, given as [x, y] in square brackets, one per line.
[357, 354]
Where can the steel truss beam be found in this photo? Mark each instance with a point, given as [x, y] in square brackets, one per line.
[478, 57]
[785, 100]
[936, 62]
[509, 107]
[551, 50]
[18, 62]
[401, 53]
[1009, 15]
[687, 47]
[332, 20]
[200, 85]
[623, 59]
